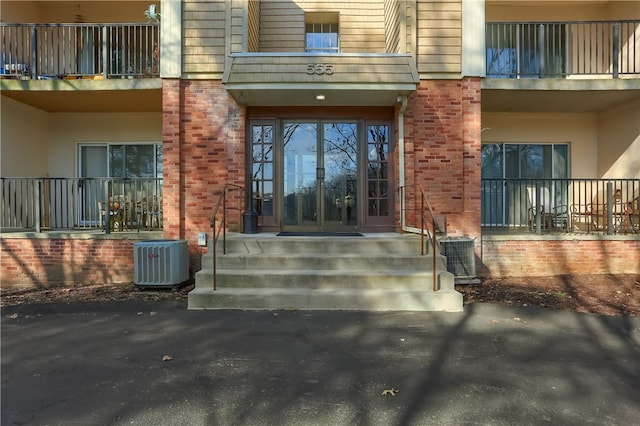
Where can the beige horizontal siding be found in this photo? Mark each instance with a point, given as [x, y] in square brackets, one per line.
[361, 24]
[293, 69]
[439, 36]
[203, 38]
[209, 34]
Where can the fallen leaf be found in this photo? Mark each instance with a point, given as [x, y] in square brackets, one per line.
[167, 358]
[517, 319]
[392, 391]
[14, 316]
[495, 321]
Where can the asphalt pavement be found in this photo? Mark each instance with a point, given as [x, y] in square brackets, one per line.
[156, 363]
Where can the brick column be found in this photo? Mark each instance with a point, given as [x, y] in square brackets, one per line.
[442, 149]
[203, 149]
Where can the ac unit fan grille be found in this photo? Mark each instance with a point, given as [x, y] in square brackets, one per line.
[460, 254]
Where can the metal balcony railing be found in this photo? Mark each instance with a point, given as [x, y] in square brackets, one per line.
[35, 204]
[561, 205]
[562, 49]
[55, 51]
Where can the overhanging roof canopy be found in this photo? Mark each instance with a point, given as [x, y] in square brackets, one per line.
[284, 79]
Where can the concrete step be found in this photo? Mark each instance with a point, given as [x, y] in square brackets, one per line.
[326, 299]
[372, 244]
[334, 262]
[372, 272]
[319, 279]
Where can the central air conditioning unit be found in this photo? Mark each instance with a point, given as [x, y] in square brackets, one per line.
[161, 263]
[461, 256]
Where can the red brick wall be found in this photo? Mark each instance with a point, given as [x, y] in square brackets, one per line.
[559, 257]
[203, 149]
[442, 150]
[40, 262]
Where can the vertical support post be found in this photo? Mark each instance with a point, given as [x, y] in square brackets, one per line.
[538, 209]
[34, 52]
[213, 250]
[541, 51]
[105, 53]
[224, 221]
[433, 246]
[609, 208]
[37, 204]
[616, 49]
[107, 211]
[422, 224]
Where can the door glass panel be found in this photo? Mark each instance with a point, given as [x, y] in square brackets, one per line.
[300, 141]
[492, 190]
[340, 142]
[262, 172]
[378, 170]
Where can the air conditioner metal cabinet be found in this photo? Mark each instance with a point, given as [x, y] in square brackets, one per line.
[461, 256]
[161, 262]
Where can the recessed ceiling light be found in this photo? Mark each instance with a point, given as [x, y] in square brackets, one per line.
[320, 97]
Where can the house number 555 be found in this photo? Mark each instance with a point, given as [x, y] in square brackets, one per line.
[319, 69]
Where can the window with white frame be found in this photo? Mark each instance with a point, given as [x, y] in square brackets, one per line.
[321, 32]
[121, 160]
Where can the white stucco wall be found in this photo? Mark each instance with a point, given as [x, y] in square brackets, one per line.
[580, 131]
[619, 141]
[23, 140]
[67, 130]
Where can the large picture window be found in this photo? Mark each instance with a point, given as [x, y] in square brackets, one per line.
[509, 171]
[130, 174]
[121, 160]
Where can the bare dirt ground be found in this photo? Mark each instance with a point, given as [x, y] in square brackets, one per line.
[598, 294]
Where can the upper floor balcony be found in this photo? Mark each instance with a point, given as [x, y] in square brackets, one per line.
[579, 49]
[561, 66]
[57, 67]
[79, 51]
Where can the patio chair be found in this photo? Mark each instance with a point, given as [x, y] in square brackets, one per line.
[551, 216]
[153, 212]
[633, 215]
[582, 217]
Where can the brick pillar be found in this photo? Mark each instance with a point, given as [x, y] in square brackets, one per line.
[442, 150]
[171, 164]
[203, 149]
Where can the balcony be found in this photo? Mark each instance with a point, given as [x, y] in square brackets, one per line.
[563, 49]
[79, 51]
[108, 204]
[571, 66]
[606, 206]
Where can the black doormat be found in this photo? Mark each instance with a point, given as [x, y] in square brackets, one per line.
[319, 234]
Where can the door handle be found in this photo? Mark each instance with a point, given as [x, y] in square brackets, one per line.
[320, 173]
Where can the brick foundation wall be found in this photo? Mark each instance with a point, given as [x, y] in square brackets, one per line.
[203, 149]
[443, 152]
[504, 258]
[43, 262]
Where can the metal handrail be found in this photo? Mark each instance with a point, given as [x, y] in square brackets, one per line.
[425, 209]
[222, 202]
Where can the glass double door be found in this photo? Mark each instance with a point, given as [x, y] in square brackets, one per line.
[320, 175]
